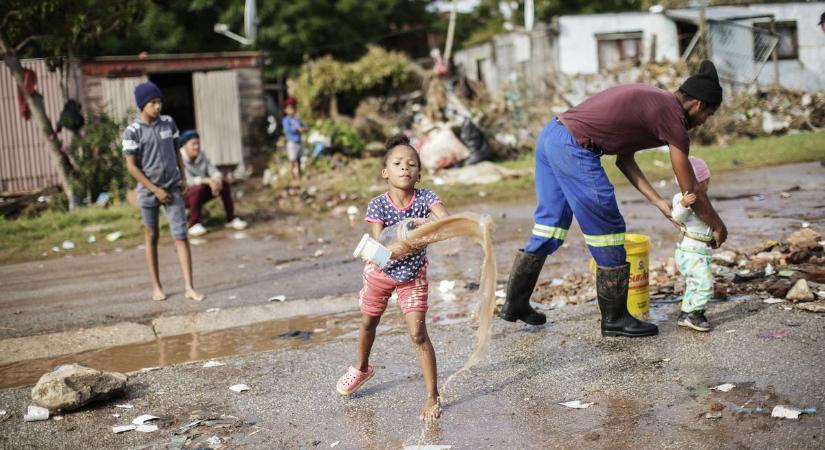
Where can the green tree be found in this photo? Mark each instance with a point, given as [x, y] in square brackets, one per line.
[59, 30]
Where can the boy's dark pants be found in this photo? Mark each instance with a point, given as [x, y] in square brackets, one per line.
[199, 194]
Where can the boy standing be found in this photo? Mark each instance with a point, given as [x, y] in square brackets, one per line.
[151, 158]
[293, 128]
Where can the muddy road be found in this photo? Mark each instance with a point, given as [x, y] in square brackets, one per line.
[278, 258]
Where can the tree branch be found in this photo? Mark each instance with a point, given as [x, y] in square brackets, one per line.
[6, 17]
[24, 42]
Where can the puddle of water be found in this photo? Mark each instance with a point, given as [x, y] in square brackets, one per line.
[263, 336]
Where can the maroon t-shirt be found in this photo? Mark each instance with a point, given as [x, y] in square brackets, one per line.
[628, 118]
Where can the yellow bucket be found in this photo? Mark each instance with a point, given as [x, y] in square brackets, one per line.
[638, 293]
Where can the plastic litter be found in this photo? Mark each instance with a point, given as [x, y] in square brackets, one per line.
[334, 444]
[56, 249]
[143, 418]
[446, 285]
[726, 387]
[214, 440]
[68, 245]
[213, 364]
[149, 369]
[771, 335]
[239, 388]
[576, 404]
[213, 310]
[146, 428]
[772, 300]
[91, 239]
[713, 415]
[124, 406]
[113, 236]
[790, 412]
[123, 428]
[277, 298]
[36, 413]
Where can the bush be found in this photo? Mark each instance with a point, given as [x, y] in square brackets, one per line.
[324, 79]
[343, 136]
[98, 159]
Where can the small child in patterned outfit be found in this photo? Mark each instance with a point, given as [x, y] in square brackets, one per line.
[405, 274]
[693, 253]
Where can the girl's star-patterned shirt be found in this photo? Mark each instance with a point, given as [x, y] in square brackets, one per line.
[382, 210]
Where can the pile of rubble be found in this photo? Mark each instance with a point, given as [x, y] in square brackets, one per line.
[792, 270]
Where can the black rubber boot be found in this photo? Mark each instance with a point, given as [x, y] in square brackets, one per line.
[611, 289]
[523, 277]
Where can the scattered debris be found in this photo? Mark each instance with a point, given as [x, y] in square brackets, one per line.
[212, 310]
[146, 428]
[576, 404]
[790, 412]
[446, 285]
[213, 364]
[818, 307]
[318, 253]
[113, 236]
[238, 235]
[726, 387]
[71, 386]
[277, 298]
[68, 245]
[149, 369]
[295, 334]
[772, 300]
[143, 418]
[335, 444]
[117, 429]
[239, 387]
[36, 413]
[91, 239]
[800, 292]
[713, 415]
[124, 406]
[771, 335]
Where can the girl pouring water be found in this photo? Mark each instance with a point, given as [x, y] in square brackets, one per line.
[405, 273]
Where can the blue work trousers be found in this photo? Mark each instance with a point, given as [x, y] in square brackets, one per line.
[570, 181]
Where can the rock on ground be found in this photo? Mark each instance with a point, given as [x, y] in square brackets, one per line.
[71, 386]
[804, 238]
[800, 292]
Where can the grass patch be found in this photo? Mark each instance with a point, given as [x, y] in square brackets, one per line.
[28, 239]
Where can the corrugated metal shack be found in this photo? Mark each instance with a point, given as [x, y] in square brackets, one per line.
[220, 94]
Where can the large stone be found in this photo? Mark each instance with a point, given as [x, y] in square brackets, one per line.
[804, 238]
[817, 307]
[71, 386]
[800, 292]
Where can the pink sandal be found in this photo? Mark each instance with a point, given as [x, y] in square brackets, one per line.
[353, 379]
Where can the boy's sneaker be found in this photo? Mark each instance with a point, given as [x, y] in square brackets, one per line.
[197, 230]
[237, 224]
[695, 320]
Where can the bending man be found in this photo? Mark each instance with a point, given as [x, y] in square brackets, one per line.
[570, 181]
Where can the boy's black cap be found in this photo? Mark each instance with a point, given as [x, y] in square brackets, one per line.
[704, 85]
[821, 19]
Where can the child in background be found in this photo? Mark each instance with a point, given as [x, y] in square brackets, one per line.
[406, 274]
[153, 160]
[693, 253]
[293, 129]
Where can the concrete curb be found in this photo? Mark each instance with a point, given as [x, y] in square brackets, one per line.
[76, 341]
[246, 315]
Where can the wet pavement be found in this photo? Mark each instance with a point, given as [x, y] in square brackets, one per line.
[277, 258]
[647, 393]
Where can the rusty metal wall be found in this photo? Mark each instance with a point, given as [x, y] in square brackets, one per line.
[25, 160]
[218, 116]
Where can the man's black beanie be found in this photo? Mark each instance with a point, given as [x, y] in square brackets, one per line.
[704, 85]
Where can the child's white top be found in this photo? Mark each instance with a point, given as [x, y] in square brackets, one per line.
[692, 226]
